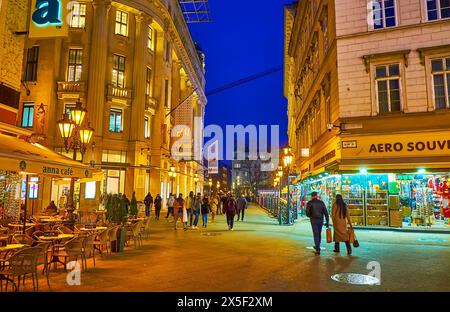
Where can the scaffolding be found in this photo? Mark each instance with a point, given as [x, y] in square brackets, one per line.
[195, 11]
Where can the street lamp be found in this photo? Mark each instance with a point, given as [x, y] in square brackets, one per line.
[287, 161]
[172, 176]
[196, 181]
[210, 186]
[76, 137]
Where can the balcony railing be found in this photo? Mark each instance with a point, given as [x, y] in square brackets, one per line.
[150, 103]
[121, 93]
[76, 88]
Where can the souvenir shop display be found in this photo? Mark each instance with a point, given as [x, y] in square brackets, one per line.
[377, 208]
[355, 205]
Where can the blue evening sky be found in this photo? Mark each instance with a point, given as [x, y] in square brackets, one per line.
[245, 37]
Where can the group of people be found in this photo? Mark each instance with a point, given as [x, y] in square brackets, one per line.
[317, 211]
[188, 209]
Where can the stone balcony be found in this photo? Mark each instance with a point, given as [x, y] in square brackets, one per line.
[118, 93]
[150, 104]
[71, 89]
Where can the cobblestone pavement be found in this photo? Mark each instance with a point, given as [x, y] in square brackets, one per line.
[260, 255]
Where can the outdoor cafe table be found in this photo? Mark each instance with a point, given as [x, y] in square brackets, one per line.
[96, 229]
[17, 227]
[6, 249]
[55, 240]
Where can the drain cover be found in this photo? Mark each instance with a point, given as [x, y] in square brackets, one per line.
[355, 279]
[431, 240]
[312, 248]
[211, 234]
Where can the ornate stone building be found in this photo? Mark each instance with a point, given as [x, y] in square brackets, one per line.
[130, 63]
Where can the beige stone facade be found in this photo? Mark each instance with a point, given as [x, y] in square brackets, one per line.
[130, 63]
[354, 80]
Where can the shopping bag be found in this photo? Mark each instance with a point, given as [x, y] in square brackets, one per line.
[351, 235]
[329, 236]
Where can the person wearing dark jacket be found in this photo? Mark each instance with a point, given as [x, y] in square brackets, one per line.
[230, 209]
[316, 211]
[158, 204]
[148, 201]
[206, 209]
[127, 203]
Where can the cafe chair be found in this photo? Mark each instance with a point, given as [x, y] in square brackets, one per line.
[89, 249]
[70, 251]
[22, 264]
[22, 239]
[146, 229]
[102, 242]
[64, 230]
[43, 258]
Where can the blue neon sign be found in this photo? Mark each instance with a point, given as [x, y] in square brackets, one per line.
[47, 12]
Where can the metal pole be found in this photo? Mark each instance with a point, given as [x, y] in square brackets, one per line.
[288, 209]
[26, 203]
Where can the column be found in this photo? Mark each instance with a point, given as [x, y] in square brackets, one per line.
[139, 76]
[97, 68]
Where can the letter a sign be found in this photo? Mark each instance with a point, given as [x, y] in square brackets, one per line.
[49, 19]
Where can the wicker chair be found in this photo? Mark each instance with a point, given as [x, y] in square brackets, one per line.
[135, 234]
[64, 230]
[43, 258]
[103, 242]
[22, 239]
[113, 236]
[89, 248]
[146, 229]
[71, 250]
[22, 264]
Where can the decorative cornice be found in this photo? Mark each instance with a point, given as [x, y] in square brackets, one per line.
[370, 57]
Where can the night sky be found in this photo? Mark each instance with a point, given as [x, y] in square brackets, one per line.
[244, 38]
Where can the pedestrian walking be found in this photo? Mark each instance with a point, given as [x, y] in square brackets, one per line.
[158, 204]
[189, 202]
[224, 203]
[179, 211]
[230, 211]
[316, 211]
[148, 202]
[170, 203]
[340, 217]
[241, 206]
[206, 209]
[214, 202]
[197, 210]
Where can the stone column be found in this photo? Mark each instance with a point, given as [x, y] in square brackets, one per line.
[97, 68]
[139, 77]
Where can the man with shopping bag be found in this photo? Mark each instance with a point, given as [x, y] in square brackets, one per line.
[316, 211]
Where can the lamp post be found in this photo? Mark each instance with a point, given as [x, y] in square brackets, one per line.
[279, 176]
[277, 183]
[196, 181]
[172, 176]
[76, 137]
[210, 183]
[287, 161]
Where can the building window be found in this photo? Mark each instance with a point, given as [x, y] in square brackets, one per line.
[325, 35]
[168, 50]
[75, 65]
[146, 128]
[151, 39]
[78, 15]
[388, 88]
[438, 9]
[148, 82]
[118, 79]
[383, 14]
[32, 64]
[115, 120]
[121, 23]
[33, 189]
[28, 115]
[68, 108]
[237, 166]
[166, 93]
[440, 70]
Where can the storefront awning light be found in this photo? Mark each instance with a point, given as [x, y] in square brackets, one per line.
[421, 171]
[363, 171]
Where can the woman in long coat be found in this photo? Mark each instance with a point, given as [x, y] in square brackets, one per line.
[340, 217]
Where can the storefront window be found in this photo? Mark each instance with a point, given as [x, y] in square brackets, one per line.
[90, 189]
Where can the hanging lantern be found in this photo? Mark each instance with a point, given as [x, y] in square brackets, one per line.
[78, 113]
[86, 135]
[66, 127]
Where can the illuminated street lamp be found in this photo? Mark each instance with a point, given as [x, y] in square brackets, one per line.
[287, 161]
[76, 137]
[172, 176]
[210, 183]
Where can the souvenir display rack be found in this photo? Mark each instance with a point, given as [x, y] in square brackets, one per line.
[355, 205]
[377, 204]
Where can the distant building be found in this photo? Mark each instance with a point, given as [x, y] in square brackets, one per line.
[247, 177]
[223, 177]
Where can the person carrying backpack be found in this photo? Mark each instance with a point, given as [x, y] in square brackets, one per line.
[230, 210]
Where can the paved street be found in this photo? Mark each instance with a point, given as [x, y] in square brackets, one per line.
[259, 255]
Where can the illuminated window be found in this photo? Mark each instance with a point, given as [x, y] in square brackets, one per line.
[147, 127]
[75, 65]
[89, 192]
[28, 115]
[33, 190]
[438, 9]
[115, 120]
[148, 82]
[68, 108]
[78, 15]
[387, 80]
[118, 79]
[121, 23]
[440, 71]
[384, 14]
[151, 41]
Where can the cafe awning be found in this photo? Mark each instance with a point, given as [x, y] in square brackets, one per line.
[21, 156]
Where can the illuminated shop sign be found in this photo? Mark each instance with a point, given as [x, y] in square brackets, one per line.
[48, 19]
[420, 146]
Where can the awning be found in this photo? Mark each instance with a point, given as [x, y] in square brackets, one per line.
[21, 156]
